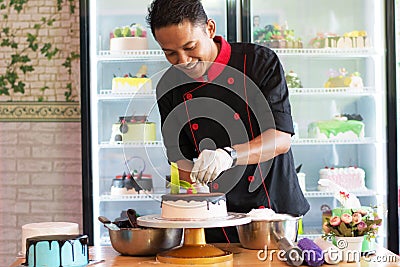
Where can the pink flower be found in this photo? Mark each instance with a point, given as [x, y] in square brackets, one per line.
[374, 226]
[334, 221]
[357, 218]
[361, 226]
[362, 212]
[346, 218]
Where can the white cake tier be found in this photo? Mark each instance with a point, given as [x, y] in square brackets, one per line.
[47, 228]
[351, 178]
[183, 209]
[128, 43]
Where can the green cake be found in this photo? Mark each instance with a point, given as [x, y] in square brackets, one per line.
[336, 129]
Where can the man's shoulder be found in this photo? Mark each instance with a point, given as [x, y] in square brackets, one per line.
[251, 48]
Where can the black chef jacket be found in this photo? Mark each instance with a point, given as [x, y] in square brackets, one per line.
[243, 94]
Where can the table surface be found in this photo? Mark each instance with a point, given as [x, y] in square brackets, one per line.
[107, 257]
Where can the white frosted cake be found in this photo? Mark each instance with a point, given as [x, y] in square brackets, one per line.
[129, 37]
[47, 228]
[351, 178]
[193, 206]
[128, 43]
[131, 85]
[57, 250]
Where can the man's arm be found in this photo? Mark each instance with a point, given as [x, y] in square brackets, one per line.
[211, 163]
[264, 147]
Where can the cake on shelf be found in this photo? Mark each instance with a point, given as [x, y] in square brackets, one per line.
[341, 78]
[129, 84]
[350, 178]
[193, 206]
[293, 80]
[57, 250]
[47, 228]
[133, 128]
[353, 39]
[344, 126]
[277, 36]
[139, 183]
[133, 37]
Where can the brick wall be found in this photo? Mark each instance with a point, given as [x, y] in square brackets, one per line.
[40, 163]
[40, 170]
[63, 34]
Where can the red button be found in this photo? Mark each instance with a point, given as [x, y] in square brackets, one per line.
[236, 116]
[195, 126]
[250, 178]
[189, 96]
[215, 186]
[231, 80]
[261, 207]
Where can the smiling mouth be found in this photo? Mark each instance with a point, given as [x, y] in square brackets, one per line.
[189, 66]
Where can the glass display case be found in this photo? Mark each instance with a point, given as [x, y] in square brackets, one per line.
[333, 54]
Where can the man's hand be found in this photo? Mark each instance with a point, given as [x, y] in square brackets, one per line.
[210, 164]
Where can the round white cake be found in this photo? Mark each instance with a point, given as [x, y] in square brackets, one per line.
[193, 206]
[47, 228]
[350, 178]
[128, 43]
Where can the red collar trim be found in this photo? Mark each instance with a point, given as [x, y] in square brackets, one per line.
[222, 59]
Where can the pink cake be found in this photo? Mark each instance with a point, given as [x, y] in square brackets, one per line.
[350, 178]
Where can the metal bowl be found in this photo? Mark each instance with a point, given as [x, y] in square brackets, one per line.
[261, 233]
[144, 241]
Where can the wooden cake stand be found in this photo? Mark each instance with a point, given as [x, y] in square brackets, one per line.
[195, 250]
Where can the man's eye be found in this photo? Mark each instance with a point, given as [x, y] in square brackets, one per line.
[190, 48]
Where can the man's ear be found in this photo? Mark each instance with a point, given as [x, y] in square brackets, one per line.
[211, 28]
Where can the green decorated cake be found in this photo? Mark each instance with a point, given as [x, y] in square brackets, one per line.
[337, 128]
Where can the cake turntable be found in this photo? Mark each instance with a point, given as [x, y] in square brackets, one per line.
[195, 250]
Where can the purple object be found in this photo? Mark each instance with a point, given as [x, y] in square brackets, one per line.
[312, 254]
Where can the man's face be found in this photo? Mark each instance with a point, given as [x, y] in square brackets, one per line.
[190, 48]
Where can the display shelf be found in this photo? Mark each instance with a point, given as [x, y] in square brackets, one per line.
[129, 55]
[105, 55]
[326, 52]
[109, 95]
[314, 141]
[132, 144]
[322, 194]
[132, 197]
[338, 91]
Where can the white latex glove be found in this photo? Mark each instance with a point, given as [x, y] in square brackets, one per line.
[210, 164]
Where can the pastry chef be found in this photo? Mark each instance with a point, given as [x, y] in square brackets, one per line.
[225, 114]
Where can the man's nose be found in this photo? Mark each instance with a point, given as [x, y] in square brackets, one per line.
[183, 59]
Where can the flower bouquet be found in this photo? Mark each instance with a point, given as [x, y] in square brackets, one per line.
[352, 222]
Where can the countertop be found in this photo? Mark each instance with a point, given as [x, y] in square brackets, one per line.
[241, 257]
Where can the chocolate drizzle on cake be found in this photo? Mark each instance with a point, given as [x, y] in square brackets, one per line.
[61, 240]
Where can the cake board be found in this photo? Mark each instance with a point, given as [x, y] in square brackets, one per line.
[195, 250]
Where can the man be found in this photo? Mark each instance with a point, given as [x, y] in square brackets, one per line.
[225, 114]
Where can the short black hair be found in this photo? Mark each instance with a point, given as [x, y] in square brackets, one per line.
[162, 13]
